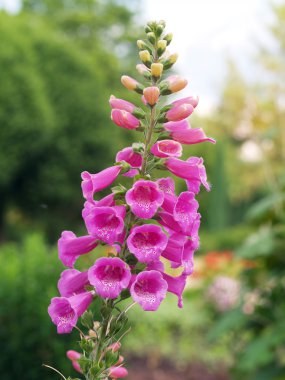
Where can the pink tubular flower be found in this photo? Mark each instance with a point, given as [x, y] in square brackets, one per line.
[167, 185]
[64, 311]
[185, 211]
[107, 201]
[194, 184]
[191, 136]
[147, 242]
[121, 104]
[132, 158]
[176, 286]
[144, 198]
[166, 148]
[106, 223]
[92, 183]
[129, 82]
[124, 119]
[193, 100]
[179, 112]
[149, 290]
[72, 282]
[70, 247]
[109, 276]
[73, 355]
[117, 372]
[151, 95]
[173, 126]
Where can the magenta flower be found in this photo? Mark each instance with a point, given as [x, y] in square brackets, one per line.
[70, 247]
[166, 148]
[147, 242]
[132, 158]
[191, 136]
[117, 372]
[173, 126]
[92, 183]
[176, 286]
[72, 282]
[64, 312]
[108, 201]
[194, 184]
[185, 210]
[106, 223]
[149, 290]
[109, 276]
[144, 198]
[179, 112]
[193, 100]
[124, 119]
[121, 104]
[167, 185]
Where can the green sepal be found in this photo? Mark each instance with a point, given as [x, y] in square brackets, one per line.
[166, 108]
[120, 189]
[84, 363]
[87, 319]
[125, 294]
[139, 89]
[111, 358]
[131, 259]
[138, 147]
[138, 113]
[162, 119]
[151, 37]
[87, 345]
[159, 30]
[105, 311]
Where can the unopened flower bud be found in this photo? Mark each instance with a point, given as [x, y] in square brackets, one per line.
[162, 23]
[173, 83]
[169, 61]
[151, 95]
[141, 44]
[161, 46]
[145, 57]
[156, 70]
[131, 84]
[143, 70]
[159, 30]
[151, 37]
[168, 38]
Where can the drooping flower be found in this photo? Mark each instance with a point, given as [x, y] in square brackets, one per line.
[147, 242]
[173, 83]
[194, 184]
[151, 95]
[132, 158]
[191, 136]
[193, 100]
[179, 112]
[121, 104]
[109, 276]
[70, 247]
[149, 290]
[124, 119]
[166, 148]
[185, 211]
[72, 282]
[176, 286]
[168, 187]
[107, 201]
[173, 126]
[106, 223]
[144, 198]
[64, 312]
[192, 170]
[92, 183]
[117, 372]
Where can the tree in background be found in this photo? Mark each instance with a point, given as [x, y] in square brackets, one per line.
[56, 69]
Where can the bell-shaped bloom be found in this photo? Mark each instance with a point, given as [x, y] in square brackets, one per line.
[149, 290]
[70, 247]
[185, 211]
[124, 119]
[176, 286]
[147, 242]
[151, 95]
[132, 158]
[144, 198]
[108, 201]
[191, 136]
[72, 282]
[117, 372]
[174, 83]
[193, 184]
[121, 104]
[192, 170]
[166, 148]
[167, 220]
[179, 112]
[109, 276]
[92, 183]
[64, 312]
[167, 185]
[174, 126]
[193, 100]
[106, 223]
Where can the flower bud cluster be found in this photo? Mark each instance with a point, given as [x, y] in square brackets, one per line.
[143, 226]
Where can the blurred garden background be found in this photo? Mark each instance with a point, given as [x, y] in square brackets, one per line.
[59, 63]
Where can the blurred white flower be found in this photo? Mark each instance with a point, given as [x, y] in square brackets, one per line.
[224, 293]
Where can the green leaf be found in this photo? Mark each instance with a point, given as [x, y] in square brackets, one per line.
[87, 319]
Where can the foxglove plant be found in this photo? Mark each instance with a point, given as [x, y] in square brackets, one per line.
[143, 226]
